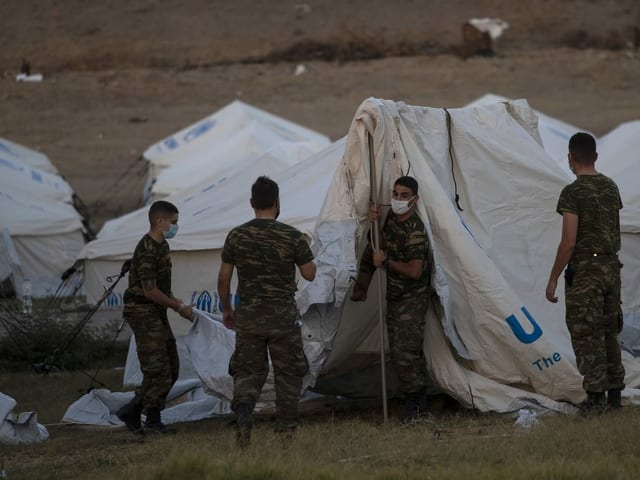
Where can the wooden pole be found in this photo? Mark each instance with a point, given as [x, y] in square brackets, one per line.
[375, 239]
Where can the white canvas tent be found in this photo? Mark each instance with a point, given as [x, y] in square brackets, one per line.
[42, 231]
[235, 134]
[207, 213]
[493, 342]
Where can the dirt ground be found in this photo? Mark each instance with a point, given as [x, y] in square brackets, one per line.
[119, 76]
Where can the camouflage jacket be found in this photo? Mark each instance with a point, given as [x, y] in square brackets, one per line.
[403, 241]
[265, 252]
[595, 199]
[151, 261]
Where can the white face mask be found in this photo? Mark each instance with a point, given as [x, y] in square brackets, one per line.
[400, 207]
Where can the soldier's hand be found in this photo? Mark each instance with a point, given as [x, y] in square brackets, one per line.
[374, 213]
[359, 294]
[551, 291]
[229, 319]
[379, 257]
[186, 312]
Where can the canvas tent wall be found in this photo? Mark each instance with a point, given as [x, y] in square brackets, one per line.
[13, 151]
[206, 216]
[43, 232]
[236, 133]
[619, 158]
[46, 237]
[492, 341]
[554, 133]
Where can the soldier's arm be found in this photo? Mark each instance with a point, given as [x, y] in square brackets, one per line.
[224, 284]
[415, 252]
[308, 271]
[563, 255]
[224, 290]
[153, 293]
[411, 269]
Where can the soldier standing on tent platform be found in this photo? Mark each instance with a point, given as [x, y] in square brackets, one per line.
[404, 256]
[145, 309]
[590, 209]
[265, 253]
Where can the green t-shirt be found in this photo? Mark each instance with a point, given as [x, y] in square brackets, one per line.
[151, 262]
[405, 241]
[265, 253]
[595, 199]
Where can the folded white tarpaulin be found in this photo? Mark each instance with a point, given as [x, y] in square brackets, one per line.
[187, 402]
[19, 428]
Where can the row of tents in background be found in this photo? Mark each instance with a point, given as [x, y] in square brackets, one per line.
[508, 185]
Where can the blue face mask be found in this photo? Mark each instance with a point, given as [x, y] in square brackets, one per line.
[173, 229]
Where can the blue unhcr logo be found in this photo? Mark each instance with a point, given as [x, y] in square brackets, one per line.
[113, 300]
[518, 329]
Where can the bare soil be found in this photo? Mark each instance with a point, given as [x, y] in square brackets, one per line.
[119, 76]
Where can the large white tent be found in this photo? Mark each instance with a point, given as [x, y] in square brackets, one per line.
[207, 213]
[235, 134]
[492, 340]
[42, 231]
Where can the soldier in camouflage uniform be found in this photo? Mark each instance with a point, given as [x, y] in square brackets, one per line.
[265, 253]
[404, 256]
[145, 309]
[590, 241]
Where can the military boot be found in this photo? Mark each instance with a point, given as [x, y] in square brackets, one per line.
[614, 399]
[244, 424]
[423, 405]
[411, 408]
[154, 423]
[130, 415]
[593, 405]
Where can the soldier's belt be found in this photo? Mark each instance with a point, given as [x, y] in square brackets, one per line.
[595, 254]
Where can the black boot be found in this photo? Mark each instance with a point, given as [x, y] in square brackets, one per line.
[130, 415]
[614, 399]
[411, 409]
[244, 424]
[593, 405]
[153, 423]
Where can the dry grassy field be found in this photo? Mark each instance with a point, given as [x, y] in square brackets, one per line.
[341, 444]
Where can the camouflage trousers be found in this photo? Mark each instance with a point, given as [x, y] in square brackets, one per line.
[262, 328]
[157, 354]
[405, 326]
[594, 319]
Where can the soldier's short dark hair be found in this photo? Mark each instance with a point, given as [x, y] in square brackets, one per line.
[582, 147]
[408, 182]
[161, 208]
[264, 193]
